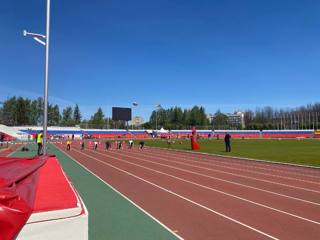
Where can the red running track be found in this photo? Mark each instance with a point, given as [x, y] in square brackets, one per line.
[208, 197]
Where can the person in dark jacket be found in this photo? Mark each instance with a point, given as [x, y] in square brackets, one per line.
[108, 145]
[227, 138]
[141, 144]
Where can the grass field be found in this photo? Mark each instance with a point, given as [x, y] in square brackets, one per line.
[304, 151]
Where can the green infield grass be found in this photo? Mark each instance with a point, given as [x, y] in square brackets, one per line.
[296, 151]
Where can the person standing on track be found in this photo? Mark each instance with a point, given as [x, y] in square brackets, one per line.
[130, 144]
[108, 145]
[227, 142]
[68, 145]
[95, 145]
[39, 139]
[82, 145]
[141, 144]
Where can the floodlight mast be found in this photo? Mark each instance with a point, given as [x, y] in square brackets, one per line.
[35, 36]
[134, 104]
[45, 43]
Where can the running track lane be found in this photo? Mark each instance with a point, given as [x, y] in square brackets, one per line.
[8, 151]
[282, 212]
[264, 197]
[202, 208]
[199, 165]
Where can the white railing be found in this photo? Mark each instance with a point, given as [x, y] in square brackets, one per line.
[14, 133]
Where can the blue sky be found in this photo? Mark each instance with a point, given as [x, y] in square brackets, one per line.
[228, 55]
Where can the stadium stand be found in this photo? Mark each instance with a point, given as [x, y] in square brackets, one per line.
[317, 133]
[238, 133]
[13, 133]
[288, 133]
[122, 133]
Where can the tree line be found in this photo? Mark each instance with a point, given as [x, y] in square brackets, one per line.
[178, 118]
[303, 117]
[23, 111]
[19, 111]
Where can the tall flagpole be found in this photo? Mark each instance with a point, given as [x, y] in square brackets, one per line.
[45, 109]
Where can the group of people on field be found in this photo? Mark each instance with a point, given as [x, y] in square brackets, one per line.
[117, 144]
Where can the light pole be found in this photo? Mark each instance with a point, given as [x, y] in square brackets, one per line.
[46, 37]
[134, 104]
[158, 106]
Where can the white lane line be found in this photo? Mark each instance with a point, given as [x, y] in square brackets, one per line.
[211, 159]
[177, 195]
[222, 164]
[122, 195]
[242, 170]
[258, 179]
[213, 189]
[268, 162]
[219, 179]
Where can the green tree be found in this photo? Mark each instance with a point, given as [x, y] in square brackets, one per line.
[204, 121]
[152, 120]
[34, 113]
[39, 110]
[54, 116]
[22, 109]
[220, 120]
[185, 118]
[67, 117]
[9, 111]
[194, 117]
[97, 120]
[176, 118]
[76, 115]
